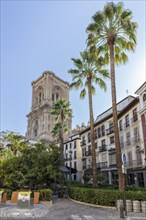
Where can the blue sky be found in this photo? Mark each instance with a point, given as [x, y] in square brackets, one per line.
[45, 35]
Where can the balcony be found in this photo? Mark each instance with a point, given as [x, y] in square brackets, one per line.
[83, 142]
[134, 164]
[102, 148]
[131, 141]
[89, 167]
[88, 153]
[103, 165]
[110, 130]
[112, 164]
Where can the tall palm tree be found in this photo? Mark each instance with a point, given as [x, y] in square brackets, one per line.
[85, 75]
[113, 32]
[63, 114]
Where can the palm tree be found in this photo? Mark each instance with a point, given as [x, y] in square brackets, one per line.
[85, 75]
[63, 114]
[113, 32]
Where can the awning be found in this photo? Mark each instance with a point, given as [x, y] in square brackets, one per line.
[63, 169]
[66, 169]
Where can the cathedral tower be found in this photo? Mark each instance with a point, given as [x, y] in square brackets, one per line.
[45, 90]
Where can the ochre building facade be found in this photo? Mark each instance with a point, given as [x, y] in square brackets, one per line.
[45, 91]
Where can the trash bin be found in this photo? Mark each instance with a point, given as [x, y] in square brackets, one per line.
[24, 200]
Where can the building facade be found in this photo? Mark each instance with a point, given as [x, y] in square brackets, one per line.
[132, 134]
[45, 91]
[72, 156]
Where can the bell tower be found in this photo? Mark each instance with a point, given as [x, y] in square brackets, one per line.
[45, 91]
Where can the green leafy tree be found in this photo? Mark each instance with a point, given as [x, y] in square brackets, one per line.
[16, 143]
[88, 73]
[63, 114]
[32, 165]
[113, 32]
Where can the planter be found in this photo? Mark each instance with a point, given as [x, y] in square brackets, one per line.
[143, 206]
[129, 205]
[136, 206]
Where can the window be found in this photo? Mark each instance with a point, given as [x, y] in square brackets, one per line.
[66, 146]
[89, 150]
[111, 127]
[35, 132]
[103, 130]
[36, 101]
[83, 152]
[112, 140]
[128, 138]
[70, 145]
[130, 162]
[121, 141]
[95, 145]
[75, 177]
[127, 120]
[75, 144]
[112, 159]
[136, 135]
[138, 158]
[121, 125]
[40, 96]
[144, 97]
[135, 115]
[75, 155]
[57, 96]
[52, 97]
[89, 137]
[75, 164]
[103, 142]
[95, 133]
[99, 133]
[66, 156]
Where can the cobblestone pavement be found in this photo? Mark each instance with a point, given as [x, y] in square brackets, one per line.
[63, 209]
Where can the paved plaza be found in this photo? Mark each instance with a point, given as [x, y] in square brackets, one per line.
[63, 209]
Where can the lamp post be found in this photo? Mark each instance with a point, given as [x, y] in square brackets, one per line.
[70, 158]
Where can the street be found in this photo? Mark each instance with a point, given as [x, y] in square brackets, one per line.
[63, 209]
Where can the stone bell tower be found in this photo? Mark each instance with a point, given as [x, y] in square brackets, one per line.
[45, 91]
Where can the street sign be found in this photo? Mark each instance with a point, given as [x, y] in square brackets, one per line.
[124, 159]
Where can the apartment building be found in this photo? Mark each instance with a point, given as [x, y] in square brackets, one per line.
[132, 133]
[72, 156]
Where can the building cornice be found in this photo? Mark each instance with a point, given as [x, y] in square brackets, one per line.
[50, 73]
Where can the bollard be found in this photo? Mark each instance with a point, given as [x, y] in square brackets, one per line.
[121, 211]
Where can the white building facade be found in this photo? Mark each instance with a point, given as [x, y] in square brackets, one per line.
[132, 134]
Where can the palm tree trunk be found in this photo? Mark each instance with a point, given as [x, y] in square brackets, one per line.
[115, 119]
[94, 170]
[61, 149]
[61, 140]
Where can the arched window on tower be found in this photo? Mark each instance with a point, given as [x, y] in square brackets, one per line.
[40, 97]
